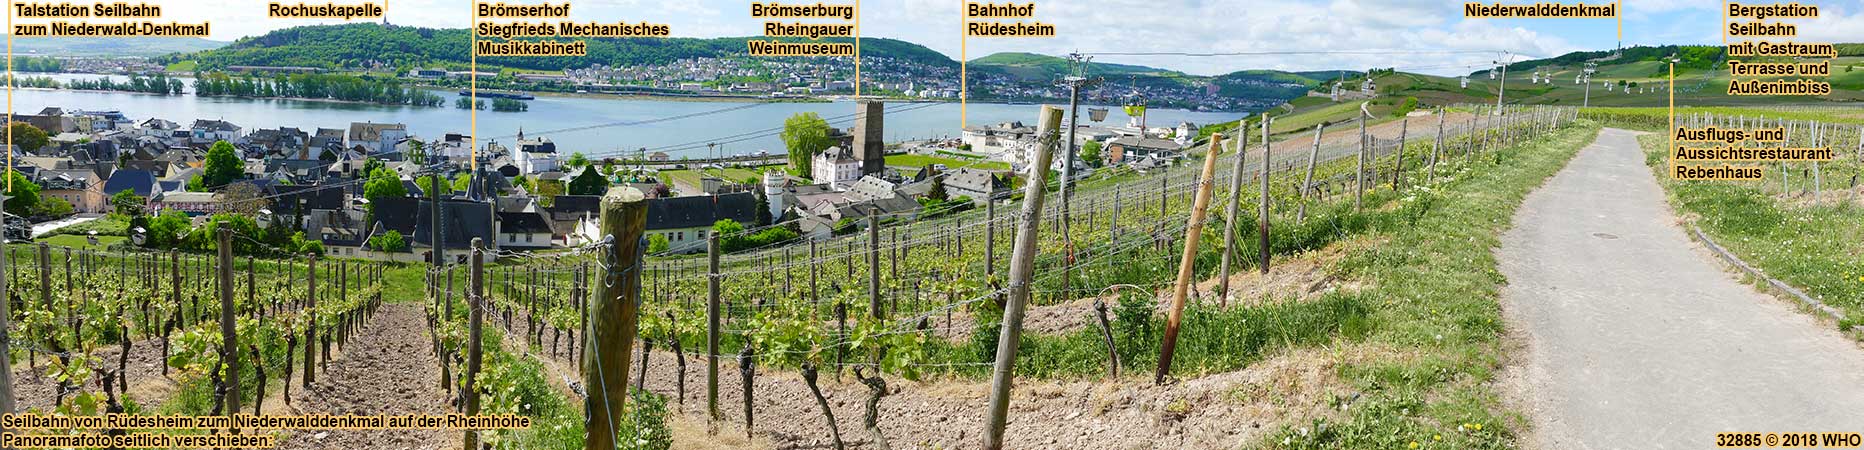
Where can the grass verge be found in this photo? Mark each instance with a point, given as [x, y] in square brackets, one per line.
[1424, 368]
[1811, 246]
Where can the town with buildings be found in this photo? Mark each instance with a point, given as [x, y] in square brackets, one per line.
[765, 78]
[520, 195]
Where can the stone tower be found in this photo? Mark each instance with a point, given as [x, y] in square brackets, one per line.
[869, 145]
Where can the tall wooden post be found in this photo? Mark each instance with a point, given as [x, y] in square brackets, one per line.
[711, 327]
[1307, 182]
[1404, 130]
[229, 339]
[475, 314]
[1192, 233]
[1262, 233]
[613, 314]
[310, 323]
[990, 243]
[1359, 169]
[1236, 198]
[1430, 174]
[1022, 269]
[873, 262]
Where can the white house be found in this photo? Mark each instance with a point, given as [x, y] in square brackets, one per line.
[523, 230]
[376, 137]
[209, 131]
[536, 155]
[836, 167]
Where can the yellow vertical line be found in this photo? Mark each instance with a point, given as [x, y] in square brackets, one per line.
[1724, 30]
[472, 88]
[1619, 11]
[857, 49]
[9, 98]
[964, 75]
[1672, 129]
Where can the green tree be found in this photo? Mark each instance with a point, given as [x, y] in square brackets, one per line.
[805, 135]
[657, 243]
[127, 203]
[589, 182]
[167, 230]
[369, 166]
[427, 183]
[729, 233]
[223, 165]
[937, 192]
[392, 242]
[763, 208]
[462, 182]
[1090, 154]
[53, 207]
[547, 192]
[577, 159]
[22, 196]
[28, 137]
[383, 183]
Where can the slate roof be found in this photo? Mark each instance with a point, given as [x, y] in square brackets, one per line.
[700, 211]
[572, 207]
[523, 222]
[460, 220]
[140, 181]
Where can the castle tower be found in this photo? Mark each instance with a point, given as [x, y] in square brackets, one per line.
[869, 143]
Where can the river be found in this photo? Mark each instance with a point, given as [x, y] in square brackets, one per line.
[575, 123]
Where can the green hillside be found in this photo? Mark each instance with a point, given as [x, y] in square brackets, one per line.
[82, 46]
[1030, 66]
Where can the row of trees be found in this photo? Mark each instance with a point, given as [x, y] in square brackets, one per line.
[157, 84]
[314, 86]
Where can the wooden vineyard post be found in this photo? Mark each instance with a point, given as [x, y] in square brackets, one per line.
[1022, 268]
[1236, 198]
[1262, 234]
[711, 327]
[1359, 169]
[814, 266]
[229, 340]
[1404, 130]
[475, 314]
[310, 323]
[613, 317]
[873, 263]
[1192, 233]
[1307, 182]
[1430, 174]
[990, 244]
[252, 289]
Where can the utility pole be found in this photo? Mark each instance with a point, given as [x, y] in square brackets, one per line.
[1075, 83]
[1503, 92]
[1586, 79]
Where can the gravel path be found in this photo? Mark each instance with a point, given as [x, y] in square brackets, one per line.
[1638, 338]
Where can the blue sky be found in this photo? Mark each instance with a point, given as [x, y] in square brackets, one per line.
[1194, 26]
